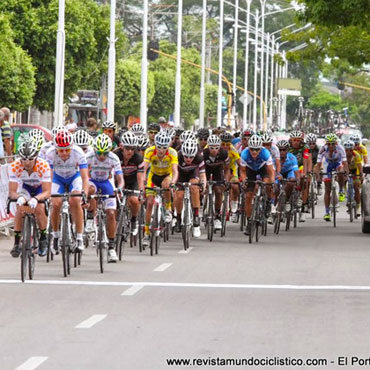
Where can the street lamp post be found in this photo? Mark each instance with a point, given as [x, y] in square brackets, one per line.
[263, 3]
[267, 70]
[112, 61]
[202, 77]
[178, 67]
[255, 74]
[245, 105]
[144, 69]
[235, 57]
[219, 97]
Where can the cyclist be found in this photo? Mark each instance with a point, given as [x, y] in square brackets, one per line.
[82, 139]
[202, 135]
[163, 162]
[354, 161]
[332, 157]
[314, 150]
[246, 135]
[256, 160]
[289, 169]
[267, 142]
[46, 146]
[38, 137]
[234, 158]
[177, 142]
[185, 136]
[29, 181]
[191, 169]
[109, 128]
[218, 167]
[101, 164]
[137, 129]
[360, 148]
[69, 173]
[302, 153]
[143, 143]
[133, 170]
[153, 130]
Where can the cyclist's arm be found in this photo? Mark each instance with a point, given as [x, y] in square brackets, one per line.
[270, 172]
[278, 165]
[46, 191]
[146, 167]
[140, 180]
[203, 178]
[85, 179]
[175, 173]
[120, 181]
[13, 187]
[243, 173]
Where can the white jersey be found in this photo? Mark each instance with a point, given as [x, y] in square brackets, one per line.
[338, 155]
[45, 148]
[68, 168]
[102, 170]
[39, 174]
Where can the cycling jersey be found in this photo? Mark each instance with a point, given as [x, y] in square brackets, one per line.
[134, 166]
[289, 166]
[102, 170]
[361, 149]
[263, 158]
[32, 181]
[314, 154]
[44, 149]
[215, 165]
[70, 167]
[355, 162]
[239, 147]
[233, 157]
[337, 156]
[300, 153]
[275, 153]
[192, 170]
[163, 166]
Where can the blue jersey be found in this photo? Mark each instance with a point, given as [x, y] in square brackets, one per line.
[263, 158]
[290, 164]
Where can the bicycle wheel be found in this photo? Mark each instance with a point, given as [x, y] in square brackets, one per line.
[141, 228]
[101, 242]
[350, 202]
[154, 230]
[120, 232]
[258, 219]
[186, 227]
[279, 213]
[26, 243]
[334, 206]
[225, 206]
[65, 245]
[210, 218]
[312, 199]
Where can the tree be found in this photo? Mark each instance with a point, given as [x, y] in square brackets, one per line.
[323, 100]
[35, 24]
[17, 74]
[127, 89]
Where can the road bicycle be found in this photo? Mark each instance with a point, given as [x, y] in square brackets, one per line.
[351, 202]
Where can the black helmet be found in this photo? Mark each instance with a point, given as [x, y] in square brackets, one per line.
[179, 131]
[203, 133]
[226, 137]
[154, 127]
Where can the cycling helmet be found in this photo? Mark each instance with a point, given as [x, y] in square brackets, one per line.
[311, 138]
[63, 139]
[187, 135]
[247, 132]
[154, 127]
[296, 134]
[349, 144]
[255, 142]
[103, 143]
[171, 132]
[355, 138]
[226, 137]
[266, 138]
[162, 120]
[162, 139]
[179, 131]
[137, 129]
[142, 142]
[282, 144]
[56, 129]
[331, 138]
[203, 133]
[214, 140]
[189, 148]
[28, 150]
[82, 138]
[109, 124]
[38, 137]
[129, 139]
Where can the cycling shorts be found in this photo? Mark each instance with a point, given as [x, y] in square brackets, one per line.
[328, 167]
[62, 185]
[252, 176]
[288, 175]
[155, 181]
[106, 188]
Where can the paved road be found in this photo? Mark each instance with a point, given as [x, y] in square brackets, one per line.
[303, 294]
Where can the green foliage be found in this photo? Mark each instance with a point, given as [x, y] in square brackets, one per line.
[127, 89]
[17, 74]
[211, 95]
[323, 100]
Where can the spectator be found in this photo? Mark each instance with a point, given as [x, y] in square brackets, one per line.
[92, 127]
[6, 131]
[163, 123]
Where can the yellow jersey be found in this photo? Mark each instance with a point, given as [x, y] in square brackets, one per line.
[362, 151]
[160, 167]
[355, 162]
[234, 156]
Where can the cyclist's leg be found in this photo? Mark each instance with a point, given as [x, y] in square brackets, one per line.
[234, 190]
[165, 184]
[58, 186]
[179, 197]
[251, 175]
[75, 205]
[327, 194]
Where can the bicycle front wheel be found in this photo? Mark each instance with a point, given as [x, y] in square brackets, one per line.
[186, 226]
[154, 230]
[65, 246]
[334, 205]
[224, 213]
[26, 244]
[210, 218]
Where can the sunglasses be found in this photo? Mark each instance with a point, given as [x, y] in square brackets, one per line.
[283, 149]
[311, 143]
[108, 130]
[85, 149]
[188, 157]
[161, 147]
[331, 144]
[296, 140]
[153, 132]
[129, 148]
[245, 137]
[101, 153]
[68, 150]
[226, 144]
[214, 147]
[255, 149]
[202, 139]
[349, 150]
[266, 144]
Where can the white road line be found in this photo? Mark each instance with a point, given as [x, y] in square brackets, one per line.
[183, 251]
[133, 290]
[90, 322]
[32, 363]
[162, 267]
[189, 285]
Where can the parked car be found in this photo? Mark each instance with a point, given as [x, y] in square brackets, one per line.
[21, 128]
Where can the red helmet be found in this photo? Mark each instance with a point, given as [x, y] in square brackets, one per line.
[248, 132]
[63, 139]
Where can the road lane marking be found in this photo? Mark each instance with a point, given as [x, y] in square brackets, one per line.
[189, 285]
[132, 290]
[90, 322]
[162, 267]
[32, 363]
[183, 251]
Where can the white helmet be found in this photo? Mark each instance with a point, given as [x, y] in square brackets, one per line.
[128, 138]
[38, 137]
[56, 129]
[311, 138]
[143, 142]
[355, 138]
[349, 144]
[82, 138]
[137, 129]
[162, 139]
[189, 148]
[187, 135]
[171, 132]
[266, 138]
[214, 140]
[255, 142]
